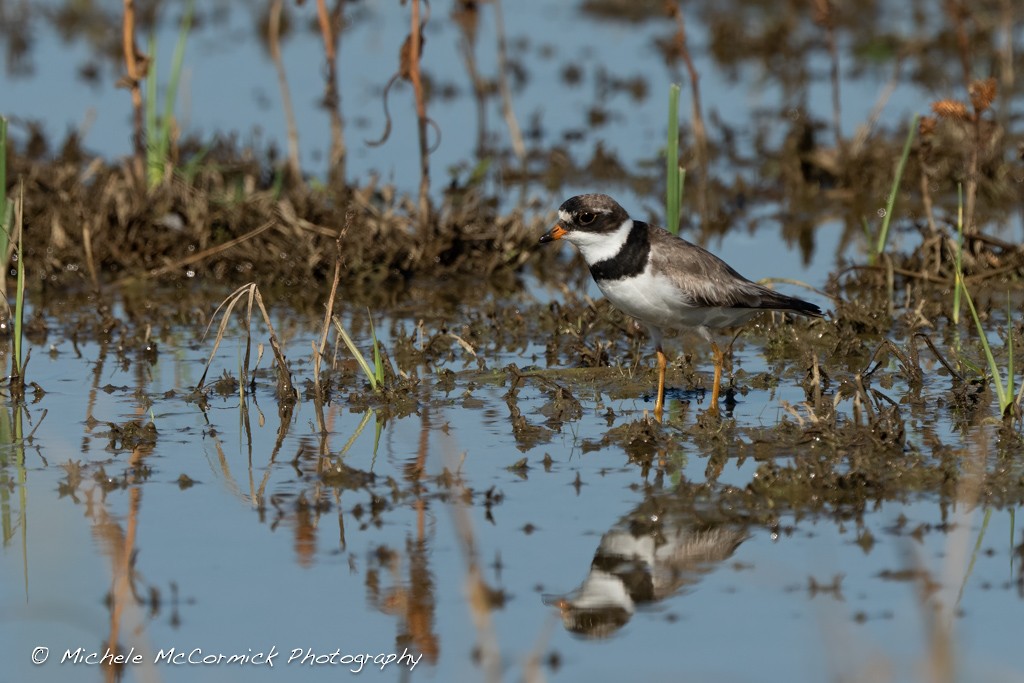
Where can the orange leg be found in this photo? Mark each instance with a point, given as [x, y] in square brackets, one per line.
[659, 403]
[719, 361]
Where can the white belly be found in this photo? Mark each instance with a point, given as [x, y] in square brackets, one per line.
[656, 301]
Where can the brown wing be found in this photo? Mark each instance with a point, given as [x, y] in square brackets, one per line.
[707, 280]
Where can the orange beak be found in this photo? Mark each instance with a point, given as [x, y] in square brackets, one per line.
[555, 233]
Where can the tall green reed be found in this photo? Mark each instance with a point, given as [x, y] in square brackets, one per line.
[883, 233]
[160, 130]
[1004, 387]
[674, 177]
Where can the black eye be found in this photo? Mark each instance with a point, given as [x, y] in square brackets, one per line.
[586, 218]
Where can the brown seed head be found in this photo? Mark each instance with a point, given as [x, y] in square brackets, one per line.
[927, 126]
[951, 109]
[982, 93]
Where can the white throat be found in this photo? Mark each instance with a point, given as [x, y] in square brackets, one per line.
[597, 247]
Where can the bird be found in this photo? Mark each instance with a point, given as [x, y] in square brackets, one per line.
[662, 280]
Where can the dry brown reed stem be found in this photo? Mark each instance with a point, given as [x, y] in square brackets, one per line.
[825, 18]
[958, 14]
[924, 133]
[699, 131]
[506, 92]
[415, 50]
[982, 93]
[274, 43]
[863, 133]
[135, 73]
[250, 292]
[331, 33]
[90, 261]
[466, 16]
[1006, 69]
[325, 328]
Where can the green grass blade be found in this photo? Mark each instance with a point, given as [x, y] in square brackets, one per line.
[959, 254]
[993, 368]
[378, 362]
[6, 206]
[673, 184]
[356, 353]
[883, 234]
[1009, 350]
[4, 218]
[154, 165]
[171, 96]
[19, 301]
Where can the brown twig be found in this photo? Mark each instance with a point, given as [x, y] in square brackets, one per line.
[958, 14]
[136, 71]
[506, 93]
[251, 293]
[274, 43]
[824, 17]
[199, 256]
[330, 32]
[415, 50]
[329, 312]
[699, 131]
[466, 16]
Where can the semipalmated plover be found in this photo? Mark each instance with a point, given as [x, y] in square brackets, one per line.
[663, 280]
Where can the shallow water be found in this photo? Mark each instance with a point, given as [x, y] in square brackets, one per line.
[579, 79]
[521, 522]
[240, 541]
